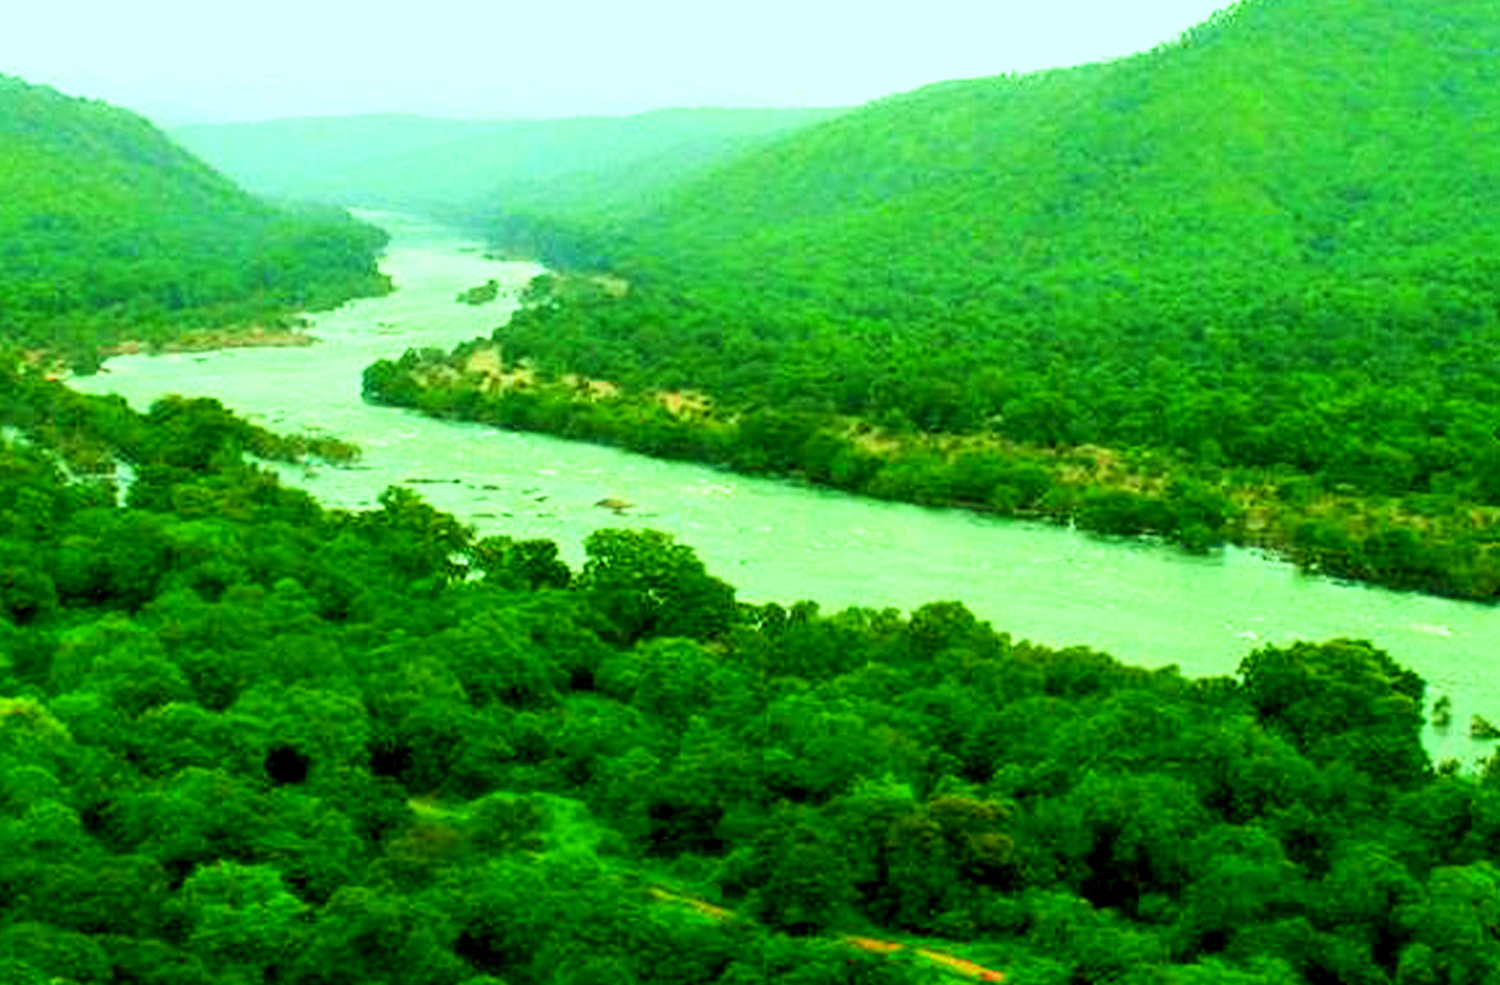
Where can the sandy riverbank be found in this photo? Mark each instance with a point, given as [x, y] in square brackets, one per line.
[255, 337]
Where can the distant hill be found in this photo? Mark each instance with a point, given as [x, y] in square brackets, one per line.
[571, 167]
[109, 230]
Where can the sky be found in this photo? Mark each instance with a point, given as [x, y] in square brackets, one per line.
[202, 61]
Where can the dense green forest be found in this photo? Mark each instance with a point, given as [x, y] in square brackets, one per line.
[247, 739]
[109, 231]
[1258, 261]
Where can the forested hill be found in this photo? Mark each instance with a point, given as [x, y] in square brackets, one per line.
[573, 166]
[1335, 142]
[1264, 257]
[109, 230]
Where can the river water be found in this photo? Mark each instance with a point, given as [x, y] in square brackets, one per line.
[1142, 602]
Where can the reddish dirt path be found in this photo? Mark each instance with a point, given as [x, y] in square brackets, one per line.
[947, 962]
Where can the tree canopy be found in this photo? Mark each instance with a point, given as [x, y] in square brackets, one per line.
[109, 231]
[245, 738]
[1254, 266]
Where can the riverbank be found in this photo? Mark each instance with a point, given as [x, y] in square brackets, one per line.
[1137, 598]
[57, 365]
[210, 340]
[1435, 544]
[627, 751]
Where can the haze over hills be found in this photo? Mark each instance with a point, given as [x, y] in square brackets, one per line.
[573, 167]
[109, 230]
[1269, 244]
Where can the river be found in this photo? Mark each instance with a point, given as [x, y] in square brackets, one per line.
[1140, 601]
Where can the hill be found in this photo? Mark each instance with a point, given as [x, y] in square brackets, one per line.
[108, 230]
[1268, 245]
[1291, 164]
[1336, 142]
[578, 166]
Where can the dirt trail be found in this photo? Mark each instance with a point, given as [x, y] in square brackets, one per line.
[947, 962]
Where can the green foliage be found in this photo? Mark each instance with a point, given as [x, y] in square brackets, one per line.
[111, 232]
[1079, 258]
[1341, 701]
[240, 914]
[252, 740]
[648, 586]
[804, 879]
[480, 295]
[53, 955]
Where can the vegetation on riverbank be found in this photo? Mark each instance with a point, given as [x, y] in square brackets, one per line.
[1438, 544]
[480, 294]
[252, 337]
[110, 233]
[1249, 274]
[245, 738]
[288, 335]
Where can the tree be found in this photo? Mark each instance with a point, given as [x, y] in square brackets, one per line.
[1455, 930]
[675, 680]
[1345, 701]
[804, 881]
[646, 586]
[521, 564]
[934, 857]
[122, 662]
[494, 657]
[1239, 877]
[327, 732]
[242, 914]
[362, 933]
[59, 955]
[420, 544]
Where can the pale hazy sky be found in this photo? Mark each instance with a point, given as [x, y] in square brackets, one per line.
[188, 61]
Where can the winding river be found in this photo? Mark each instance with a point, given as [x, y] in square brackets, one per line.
[774, 540]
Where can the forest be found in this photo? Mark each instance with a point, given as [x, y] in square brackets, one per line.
[1257, 261]
[246, 738]
[109, 232]
[1241, 287]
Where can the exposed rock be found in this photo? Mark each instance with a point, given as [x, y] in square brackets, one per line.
[1442, 712]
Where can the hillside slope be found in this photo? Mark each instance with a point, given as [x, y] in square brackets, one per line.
[1288, 206]
[1349, 139]
[107, 229]
[1264, 256]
